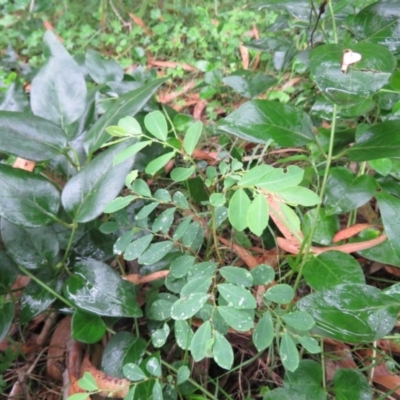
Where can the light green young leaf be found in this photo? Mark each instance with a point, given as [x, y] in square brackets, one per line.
[255, 176]
[199, 344]
[222, 350]
[130, 151]
[310, 344]
[156, 124]
[299, 195]
[183, 374]
[130, 178]
[187, 306]
[182, 174]
[192, 137]
[289, 353]
[263, 333]
[78, 396]
[87, 382]
[158, 163]
[130, 125]
[257, 216]
[141, 188]
[238, 209]
[118, 204]
[133, 372]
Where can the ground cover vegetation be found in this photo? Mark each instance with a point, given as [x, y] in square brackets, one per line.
[200, 201]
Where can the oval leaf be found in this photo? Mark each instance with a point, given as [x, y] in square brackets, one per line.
[238, 209]
[187, 306]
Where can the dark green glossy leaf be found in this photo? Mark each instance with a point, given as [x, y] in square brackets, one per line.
[332, 268]
[351, 312]
[6, 317]
[378, 141]
[259, 121]
[288, 352]
[101, 70]
[345, 191]
[30, 137]
[127, 105]
[87, 193]
[263, 333]
[36, 299]
[8, 272]
[307, 379]
[351, 384]
[326, 228]
[58, 91]
[27, 199]
[87, 328]
[361, 80]
[379, 23]
[248, 83]
[30, 247]
[389, 207]
[121, 349]
[222, 351]
[97, 288]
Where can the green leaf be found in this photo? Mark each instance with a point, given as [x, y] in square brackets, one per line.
[183, 334]
[160, 162]
[141, 188]
[217, 199]
[88, 192]
[146, 211]
[361, 81]
[180, 200]
[378, 141]
[160, 310]
[281, 294]
[182, 174]
[130, 152]
[180, 267]
[236, 319]
[58, 91]
[27, 199]
[258, 214]
[351, 384]
[237, 276]
[345, 191]
[33, 248]
[359, 313]
[156, 124]
[133, 372]
[160, 336]
[6, 317]
[259, 121]
[202, 270]
[389, 206]
[200, 342]
[182, 375]
[256, 176]
[155, 252]
[8, 271]
[263, 333]
[87, 328]
[222, 350]
[118, 204]
[187, 306]
[310, 344]
[299, 320]
[153, 366]
[131, 126]
[87, 382]
[379, 23]
[113, 297]
[78, 396]
[288, 353]
[128, 104]
[238, 209]
[102, 70]
[164, 221]
[262, 274]
[299, 196]
[192, 137]
[157, 391]
[198, 285]
[332, 268]
[236, 296]
[30, 137]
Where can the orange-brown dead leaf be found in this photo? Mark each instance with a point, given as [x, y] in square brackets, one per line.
[139, 22]
[350, 232]
[244, 54]
[199, 108]
[139, 279]
[24, 164]
[242, 253]
[172, 64]
[167, 98]
[395, 271]
[211, 158]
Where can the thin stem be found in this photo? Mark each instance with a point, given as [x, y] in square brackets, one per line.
[335, 37]
[70, 241]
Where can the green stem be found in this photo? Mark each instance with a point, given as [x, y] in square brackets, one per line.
[70, 241]
[335, 37]
[46, 287]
